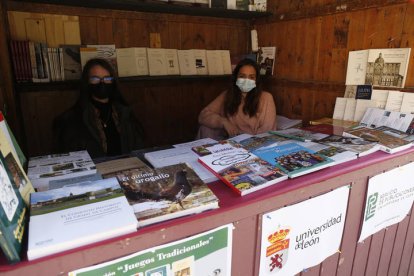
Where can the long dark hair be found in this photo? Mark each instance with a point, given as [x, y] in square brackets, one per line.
[85, 93]
[234, 95]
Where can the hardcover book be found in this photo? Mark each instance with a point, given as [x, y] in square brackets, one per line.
[266, 57]
[294, 159]
[166, 193]
[240, 169]
[389, 143]
[261, 141]
[13, 214]
[77, 215]
[300, 134]
[132, 62]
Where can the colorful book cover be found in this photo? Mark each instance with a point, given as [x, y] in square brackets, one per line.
[257, 142]
[13, 214]
[77, 215]
[165, 193]
[294, 159]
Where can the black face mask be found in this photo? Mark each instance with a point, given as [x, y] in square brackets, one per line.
[101, 90]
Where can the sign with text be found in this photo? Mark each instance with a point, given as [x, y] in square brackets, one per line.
[303, 235]
[389, 199]
[208, 253]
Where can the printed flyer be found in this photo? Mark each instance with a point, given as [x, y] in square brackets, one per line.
[300, 236]
[208, 253]
[388, 201]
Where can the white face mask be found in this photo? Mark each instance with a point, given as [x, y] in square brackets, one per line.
[245, 85]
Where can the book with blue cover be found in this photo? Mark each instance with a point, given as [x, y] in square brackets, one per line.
[294, 159]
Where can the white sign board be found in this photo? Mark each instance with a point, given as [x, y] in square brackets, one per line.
[389, 199]
[303, 235]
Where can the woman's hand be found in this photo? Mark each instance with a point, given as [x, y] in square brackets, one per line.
[230, 128]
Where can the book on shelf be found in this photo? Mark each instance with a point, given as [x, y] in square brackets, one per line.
[358, 145]
[260, 5]
[240, 169]
[171, 58]
[177, 155]
[380, 96]
[294, 159]
[165, 193]
[220, 4]
[215, 62]
[299, 134]
[104, 51]
[226, 61]
[266, 58]
[12, 162]
[132, 61]
[363, 92]
[187, 63]
[200, 57]
[42, 169]
[379, 67]
[407, 104]
[13, 214]
[389, 143]
[394, 101]
[376, 117]
[157, 63]
[242, 5]
[77, 215]
[71, 62]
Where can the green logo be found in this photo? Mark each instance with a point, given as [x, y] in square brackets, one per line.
[371, 205]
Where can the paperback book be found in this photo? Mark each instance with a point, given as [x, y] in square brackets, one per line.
[300, 134]
[337, 154]
[77, 215]
[294, 159]
[389, 143]
[239, 169]
[42, 169]
[358, 145]
[165, 193]
[13, 215]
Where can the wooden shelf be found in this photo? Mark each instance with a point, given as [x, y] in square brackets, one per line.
[24, 87]
[158, 7]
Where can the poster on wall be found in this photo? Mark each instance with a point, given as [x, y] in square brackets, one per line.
[300, 236]
[208, 253]
[389, 198]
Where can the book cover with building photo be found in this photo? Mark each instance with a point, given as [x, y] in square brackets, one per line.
[165, 193]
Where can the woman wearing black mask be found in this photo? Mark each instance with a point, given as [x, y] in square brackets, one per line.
[100, 121]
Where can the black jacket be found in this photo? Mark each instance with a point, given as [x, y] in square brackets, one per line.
[77, 129]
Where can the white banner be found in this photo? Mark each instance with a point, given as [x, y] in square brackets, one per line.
[208, 253]
[303, 235]
[389, 199]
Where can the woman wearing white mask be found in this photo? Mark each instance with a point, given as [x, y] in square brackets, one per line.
[244, 108]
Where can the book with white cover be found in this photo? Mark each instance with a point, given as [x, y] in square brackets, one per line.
[105, 51]
[157, 62]
[225, 57]
[339, 110]
[171, 57]
[186, 60]
[78, 215]
[42, 169]
[349, 109]
[407, 105]
[394, 100]
[357, 66]
[361, 107]
[375, 117]
[132, 62]
[214, 62]
[380, 96]
[200, 56]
